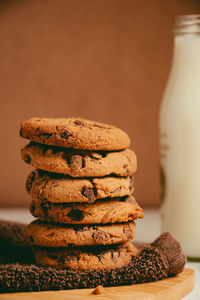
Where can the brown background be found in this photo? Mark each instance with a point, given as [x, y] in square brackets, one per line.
[104, 60]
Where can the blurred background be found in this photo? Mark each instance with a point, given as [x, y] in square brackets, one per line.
[105, 60]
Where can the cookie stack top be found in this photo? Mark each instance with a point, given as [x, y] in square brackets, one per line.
[83, 177]
[74, 133]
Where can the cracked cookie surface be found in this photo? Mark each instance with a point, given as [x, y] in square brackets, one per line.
[60, 188]
[74, 133]
[91, 258]
[79, 163]
[102, 211]
[44, 234]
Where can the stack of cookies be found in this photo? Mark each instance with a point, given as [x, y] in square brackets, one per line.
[81, 193]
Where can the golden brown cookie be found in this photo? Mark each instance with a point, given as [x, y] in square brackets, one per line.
[102, 211]
[79, 163]
[74, 133]
[60, 188]
[86, 258]
[44, 234]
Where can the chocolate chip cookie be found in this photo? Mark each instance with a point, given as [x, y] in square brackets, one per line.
[102, 211]
[79, 163]
[86, 258]
[74, 133]
[44, 234]
[60, 188]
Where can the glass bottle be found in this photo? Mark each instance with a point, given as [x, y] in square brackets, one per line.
[180, 139]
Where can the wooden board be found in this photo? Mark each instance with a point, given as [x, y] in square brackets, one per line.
[167, 289]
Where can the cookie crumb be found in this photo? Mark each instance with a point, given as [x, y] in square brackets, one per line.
[98, 290]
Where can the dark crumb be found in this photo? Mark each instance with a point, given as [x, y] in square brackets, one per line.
[98, 290]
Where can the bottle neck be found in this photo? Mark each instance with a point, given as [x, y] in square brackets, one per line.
[187, 24]
[187, 51]
[187, 41]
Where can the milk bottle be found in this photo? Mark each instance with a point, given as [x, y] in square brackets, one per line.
[180, 139]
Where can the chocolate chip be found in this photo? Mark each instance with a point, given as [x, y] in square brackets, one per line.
[80, 123]
[127, 232]
[100, 236]
[27, 159]
[125, 166]
[77, 161]
[89, 193]
[44, 136]
[64, 134]
[101, 126]
[55, 185]
[31, 239]
[76, 215]
[131, 183]
[51, 234]
[98, 126]
[29, 181]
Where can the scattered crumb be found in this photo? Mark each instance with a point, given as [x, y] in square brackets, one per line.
[98, 290]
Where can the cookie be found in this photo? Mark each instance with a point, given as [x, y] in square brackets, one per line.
[86, 258]
[79, 163]
[102, 211]
[44, 234]
[74, 133]
[60, 188]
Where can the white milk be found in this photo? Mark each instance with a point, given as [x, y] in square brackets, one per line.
[180, 139]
